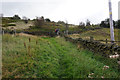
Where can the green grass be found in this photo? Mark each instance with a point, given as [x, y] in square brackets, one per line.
[6, 25]
[98, 34]
[20, 25]
[51, 58]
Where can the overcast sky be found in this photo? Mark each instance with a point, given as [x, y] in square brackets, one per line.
[74, 11]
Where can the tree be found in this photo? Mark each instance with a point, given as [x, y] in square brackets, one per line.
[25, 19]
[102, 24]
[81, 25]
[106, 23]
[118, 24]
[28, 19]
[47, 20]
[42, 18]
[61, 22]
[16, 17]
[87, 22]
[39, 22]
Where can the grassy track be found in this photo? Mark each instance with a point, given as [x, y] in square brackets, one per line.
[50, 58]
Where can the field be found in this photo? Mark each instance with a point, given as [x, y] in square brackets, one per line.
[20, 26]
[98, 34]
[27, 56]
[30, 56]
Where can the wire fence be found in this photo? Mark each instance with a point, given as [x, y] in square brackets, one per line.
[106, 41]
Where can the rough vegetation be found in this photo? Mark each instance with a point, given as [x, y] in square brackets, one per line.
[45, 57]
[41, 25]
[98, 34]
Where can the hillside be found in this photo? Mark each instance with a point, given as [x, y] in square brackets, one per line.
[28, 56]
[9, 24]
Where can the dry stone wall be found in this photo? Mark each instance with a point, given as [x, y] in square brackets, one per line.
[96, 47]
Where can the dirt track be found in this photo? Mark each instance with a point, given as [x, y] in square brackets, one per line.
[29, 35]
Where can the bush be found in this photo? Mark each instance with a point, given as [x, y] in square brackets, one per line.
[11, 24]
[47, 20]
[6, 25]
[16, 17]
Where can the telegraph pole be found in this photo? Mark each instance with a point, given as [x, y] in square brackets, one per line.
[111, 22]
[119, 19]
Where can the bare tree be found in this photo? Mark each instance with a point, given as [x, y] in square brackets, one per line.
[87, 22]
[16, 17]
[25, 19]
[39, 21]
[81, 25]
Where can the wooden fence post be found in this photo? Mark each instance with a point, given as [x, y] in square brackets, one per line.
[29, 51]
[106, 41]
[29, 39]
[36, 42]
[24, 44]
[91, 38]
[15, 32]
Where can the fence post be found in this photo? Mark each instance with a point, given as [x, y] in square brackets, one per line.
[91, 38]
[106, 41]
[36, 42]
[29, 40]
[15, 32]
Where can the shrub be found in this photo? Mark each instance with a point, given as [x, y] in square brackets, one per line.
[11, 24]
[6, 25]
